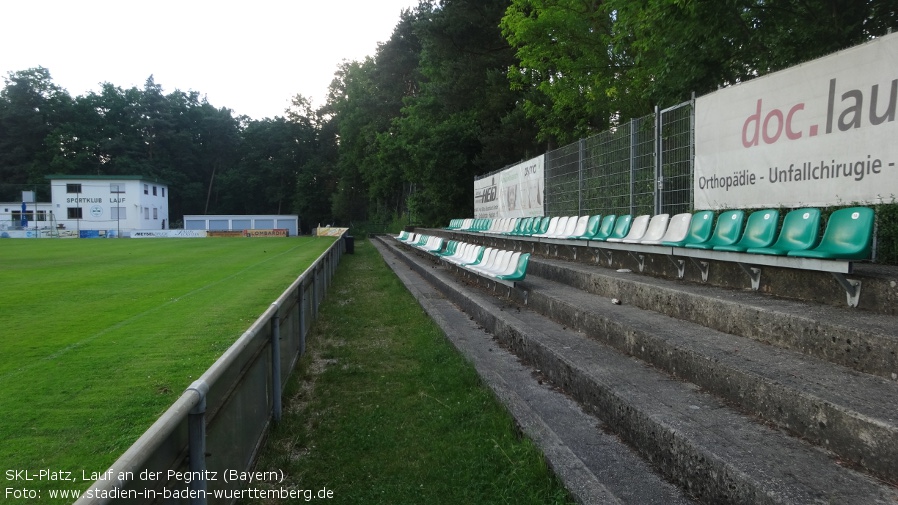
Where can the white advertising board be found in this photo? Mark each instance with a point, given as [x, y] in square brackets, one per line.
[516, 191]
[168, 233]
[822, 133]
[486, 197]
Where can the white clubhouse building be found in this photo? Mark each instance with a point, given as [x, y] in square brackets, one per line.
[109, 203]
[93, 205]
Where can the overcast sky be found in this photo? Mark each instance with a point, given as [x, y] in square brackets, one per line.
[250, 56]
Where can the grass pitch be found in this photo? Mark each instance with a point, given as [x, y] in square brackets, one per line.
[99, 337]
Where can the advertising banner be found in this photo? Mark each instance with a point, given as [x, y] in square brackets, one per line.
[330, 232]
[278, 232]
[20, 234]
[486, 197]
[516, 191]
[168, 233]
[822, 133]
[98, 234]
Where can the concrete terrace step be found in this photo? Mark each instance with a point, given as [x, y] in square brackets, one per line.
[865, 341]
[596, 467]
[714, 451]
[853, 414]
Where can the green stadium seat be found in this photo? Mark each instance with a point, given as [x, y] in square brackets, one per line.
[621, 227]
[800, 231]
[535, 226]
[637, 229]
[726, 232]
[520, 224]
[605, 228]
[848, 235]
[451, 247]
[700, 228]
[544, 225]
[592, 227]
[520, 270]
[760, 231]
[554, 224]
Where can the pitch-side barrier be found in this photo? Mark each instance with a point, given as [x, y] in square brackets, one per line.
[205, 444]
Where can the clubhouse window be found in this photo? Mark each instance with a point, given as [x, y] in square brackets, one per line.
[116, 188]
[73, 188]
[74, 212]
[119, 213]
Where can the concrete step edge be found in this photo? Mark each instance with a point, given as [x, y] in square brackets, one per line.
[860, 340]
[728, 483]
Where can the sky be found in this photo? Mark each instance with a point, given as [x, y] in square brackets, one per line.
[250, 56]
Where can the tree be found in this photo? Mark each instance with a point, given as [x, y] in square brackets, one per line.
[564, 65]
[365, 97]
[31, 108]
[447, 130]
[597, 63]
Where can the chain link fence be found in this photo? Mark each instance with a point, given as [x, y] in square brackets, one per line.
[644, 166]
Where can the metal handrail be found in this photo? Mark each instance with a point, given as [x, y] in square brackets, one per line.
[190, 407]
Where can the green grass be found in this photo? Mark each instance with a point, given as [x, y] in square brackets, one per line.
[99, 337]
[384, 410]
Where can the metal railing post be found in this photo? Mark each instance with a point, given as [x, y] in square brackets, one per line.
[276, 365]
[196, 444]
[315, 286]
[302, 319]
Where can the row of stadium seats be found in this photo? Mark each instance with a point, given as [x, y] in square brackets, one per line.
[500, 265]
[848, 233]
[427, 243]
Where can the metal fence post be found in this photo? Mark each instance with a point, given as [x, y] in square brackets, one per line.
[276, 365]
[692, 148]
[659, 155]
[302, 319]
[633, 141]
[315, 292]
[581, 160]
[196, 444]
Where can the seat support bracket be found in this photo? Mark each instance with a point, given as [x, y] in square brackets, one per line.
[852, 288]
[604, 254]
[754, 273]
[640, 259]
[703, 266]
[680, 264]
